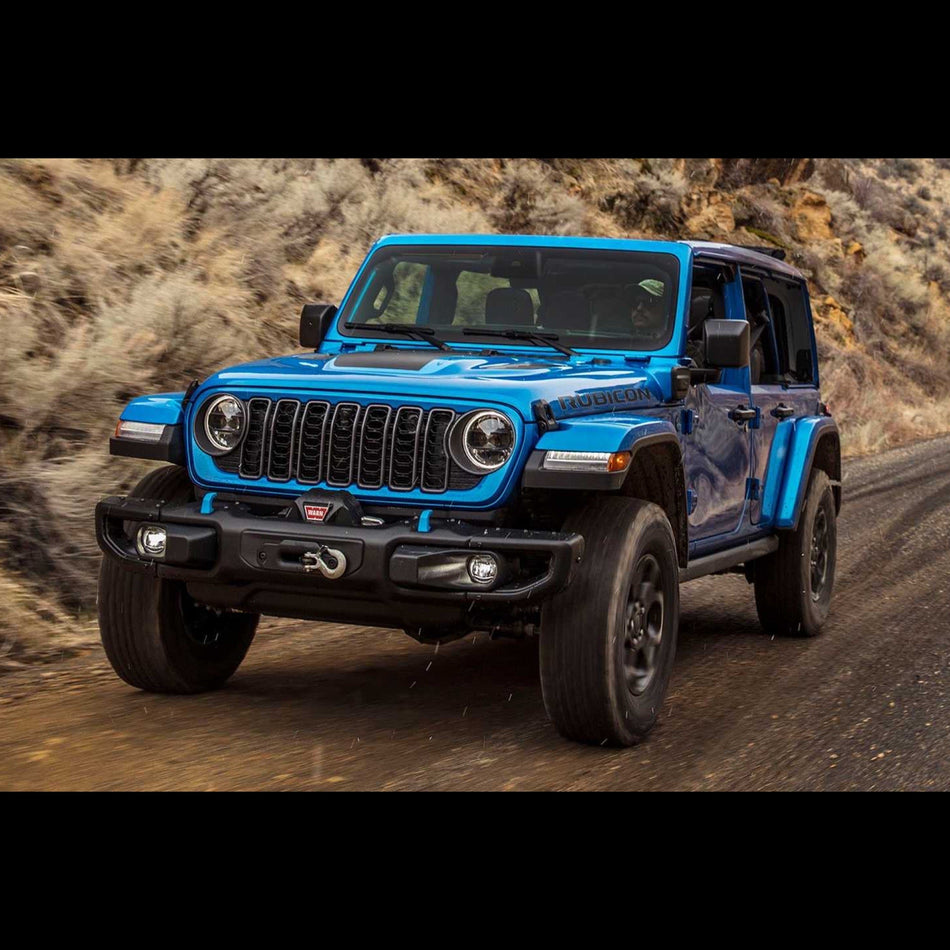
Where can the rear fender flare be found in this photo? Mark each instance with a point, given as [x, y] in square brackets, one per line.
[802, 444]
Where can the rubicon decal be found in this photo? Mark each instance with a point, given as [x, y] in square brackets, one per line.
[315, 512]
[604, 397]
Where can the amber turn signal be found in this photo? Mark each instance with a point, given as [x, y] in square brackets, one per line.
[618, 461]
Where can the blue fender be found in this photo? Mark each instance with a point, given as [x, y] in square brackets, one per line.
[164, 409]
[610, 432]
[616, 432]
[790, 461]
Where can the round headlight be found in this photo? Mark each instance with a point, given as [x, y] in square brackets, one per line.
[224, 422]
[486, 439]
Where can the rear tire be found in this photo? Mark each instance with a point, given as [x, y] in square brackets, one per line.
[793, 585]
[156, 637]
[608, 640]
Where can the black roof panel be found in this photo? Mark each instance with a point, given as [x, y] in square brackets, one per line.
[731, 253]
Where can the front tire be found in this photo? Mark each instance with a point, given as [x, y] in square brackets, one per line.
[608, 640]
[793, 585]
[156, 637]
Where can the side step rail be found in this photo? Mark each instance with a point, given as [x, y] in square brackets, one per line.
[723, 560]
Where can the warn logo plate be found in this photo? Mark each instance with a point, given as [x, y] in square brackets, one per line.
[315, 512]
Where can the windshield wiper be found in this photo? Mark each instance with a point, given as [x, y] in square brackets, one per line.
[425, 334]
[541, 339]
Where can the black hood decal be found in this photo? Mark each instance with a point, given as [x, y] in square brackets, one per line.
[388, 359]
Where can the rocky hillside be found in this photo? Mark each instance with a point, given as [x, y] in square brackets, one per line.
[130, 276]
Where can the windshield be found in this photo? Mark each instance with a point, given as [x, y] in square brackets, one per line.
[590, 298]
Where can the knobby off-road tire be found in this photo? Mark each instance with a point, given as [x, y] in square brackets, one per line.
[155, 636]
[793, 585]
[608, 640]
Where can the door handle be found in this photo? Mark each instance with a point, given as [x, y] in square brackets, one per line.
[781, 411]
[740, 415]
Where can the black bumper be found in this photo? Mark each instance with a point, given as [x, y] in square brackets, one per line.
[230, 558]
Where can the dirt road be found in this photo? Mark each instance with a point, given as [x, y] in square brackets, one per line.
[330, 707]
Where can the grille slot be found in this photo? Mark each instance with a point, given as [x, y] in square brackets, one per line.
[345, 444]
[280, 462]
[254, 445]
[405, 445]
[371, 467]
[342, 443]
[435, 456]
[310, 449]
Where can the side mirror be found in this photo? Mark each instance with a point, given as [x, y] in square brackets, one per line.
[315, 320]
[727, 343]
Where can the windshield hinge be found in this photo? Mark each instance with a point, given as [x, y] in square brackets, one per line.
[189, 392]
[544, 415]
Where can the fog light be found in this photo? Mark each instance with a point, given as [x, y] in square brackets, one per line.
[150, 540]
[482, 568]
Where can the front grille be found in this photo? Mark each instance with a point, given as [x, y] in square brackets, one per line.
[345, 444]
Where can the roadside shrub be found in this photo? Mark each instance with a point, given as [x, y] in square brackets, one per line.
[531, 202]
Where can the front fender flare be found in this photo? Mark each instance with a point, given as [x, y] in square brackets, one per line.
[618, 432]
[163, 409]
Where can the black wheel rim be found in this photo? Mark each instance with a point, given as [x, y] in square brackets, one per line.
[643, 625]
[819, 554]
[202, 624]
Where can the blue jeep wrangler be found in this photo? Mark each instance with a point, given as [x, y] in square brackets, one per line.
[519, 434]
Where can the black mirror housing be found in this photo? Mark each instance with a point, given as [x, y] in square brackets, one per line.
[727, 343]
[315, 320]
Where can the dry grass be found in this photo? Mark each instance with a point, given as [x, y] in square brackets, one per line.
[35, 629]
[125, 277]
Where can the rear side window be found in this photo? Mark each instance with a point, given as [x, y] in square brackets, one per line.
[790, 318]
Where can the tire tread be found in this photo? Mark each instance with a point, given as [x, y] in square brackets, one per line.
[779, 597]
[576, 666]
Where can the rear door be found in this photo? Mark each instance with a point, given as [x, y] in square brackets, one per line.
[787, 388]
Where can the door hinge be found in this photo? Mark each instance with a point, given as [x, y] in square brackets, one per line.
[753, 488]
[691, 499]
[687, 421]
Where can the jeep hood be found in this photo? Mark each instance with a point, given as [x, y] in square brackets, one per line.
[572, 385]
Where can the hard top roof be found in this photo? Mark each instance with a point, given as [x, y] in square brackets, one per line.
[710, 250]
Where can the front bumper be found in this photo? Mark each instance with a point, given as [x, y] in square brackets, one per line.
[232, 558]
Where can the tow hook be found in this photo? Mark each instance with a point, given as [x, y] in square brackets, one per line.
[328, 561]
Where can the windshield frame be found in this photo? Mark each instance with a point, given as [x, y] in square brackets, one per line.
[676, 264]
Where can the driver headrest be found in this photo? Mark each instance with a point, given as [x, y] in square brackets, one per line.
[510, 306]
